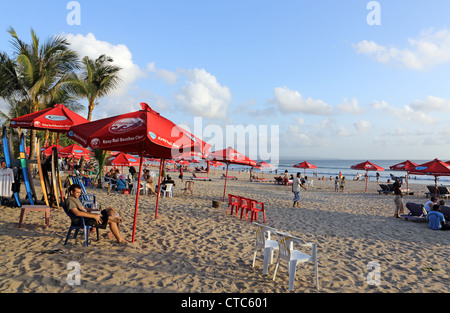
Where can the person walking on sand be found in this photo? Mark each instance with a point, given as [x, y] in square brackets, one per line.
[398, 199]
[296, 185]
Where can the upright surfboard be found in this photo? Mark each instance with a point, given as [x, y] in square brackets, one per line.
[41, 174]
[7, 152]
[30, 176]
[58, 174]
[55, 186]
[23, 164]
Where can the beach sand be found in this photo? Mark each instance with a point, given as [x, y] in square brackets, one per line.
[194, 248]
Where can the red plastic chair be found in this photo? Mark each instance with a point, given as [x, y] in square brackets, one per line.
[233, 204]
[256, 207]
[244, 205]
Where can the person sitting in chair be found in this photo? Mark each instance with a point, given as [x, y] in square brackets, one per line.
[74, 206]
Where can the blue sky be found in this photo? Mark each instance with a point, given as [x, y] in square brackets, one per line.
[335, 86]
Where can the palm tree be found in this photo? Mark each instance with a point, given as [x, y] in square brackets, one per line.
[38, 72]
[98, 78]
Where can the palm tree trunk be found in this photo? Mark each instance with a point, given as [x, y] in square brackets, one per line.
[32, 145]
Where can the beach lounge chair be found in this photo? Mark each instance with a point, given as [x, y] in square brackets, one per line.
[443, 192]
[294, 257]
[279, 180]
[385, 189]
[431, 191]
[264, 242]
[195, 177]
[416, 213]
[229, 177]
[86, 228]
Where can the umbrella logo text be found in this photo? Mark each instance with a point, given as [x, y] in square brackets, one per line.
[56, 117]
[125, 125]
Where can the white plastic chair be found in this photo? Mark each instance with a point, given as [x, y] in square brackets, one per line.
[168, 190]
[288, 253]
[264, 242]
[142, 187]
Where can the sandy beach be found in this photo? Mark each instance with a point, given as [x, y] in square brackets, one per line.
[195, 248]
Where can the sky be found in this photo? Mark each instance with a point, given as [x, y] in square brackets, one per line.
[351, 79]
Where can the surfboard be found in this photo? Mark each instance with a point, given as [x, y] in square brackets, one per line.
[23, 164]
[58, 174]
[41, 174]
[7, 153]
[55, 186]
[30, 176]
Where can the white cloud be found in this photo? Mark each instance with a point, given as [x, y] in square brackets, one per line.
[350, 106]
[92, 47]
[431, 104]
[203, 96]
[362, 126]
[429, 49]
[166, 75]
[407, 113]
[291, 101]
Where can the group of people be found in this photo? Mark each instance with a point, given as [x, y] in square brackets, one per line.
[339, 184]
[432, 209]
[436, 220]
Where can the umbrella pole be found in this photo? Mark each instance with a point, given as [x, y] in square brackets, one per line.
[161, 164]
[435, 186]
[225, 187]
[137, 196]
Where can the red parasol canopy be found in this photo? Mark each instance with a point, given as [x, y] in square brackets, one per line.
[435, 168]
[143, 132]
[304, 165]
[230, 156]
[183, 162]
[49, 150]
[57, 119]
[367, 166]
[74, 151]
[406, 166]
[124, 159]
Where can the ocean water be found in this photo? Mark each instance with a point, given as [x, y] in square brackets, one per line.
[332, 168]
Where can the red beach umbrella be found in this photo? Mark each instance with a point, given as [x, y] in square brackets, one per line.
[406, 166]
[57, 119]
[145, 133]
[367, 166]
[230, 156]
[435, 168]
[305, 165]
[263, 164]
[124, 159]
[74, 151]
[49, 150]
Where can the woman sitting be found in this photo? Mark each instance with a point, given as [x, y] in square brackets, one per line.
[121, 183]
